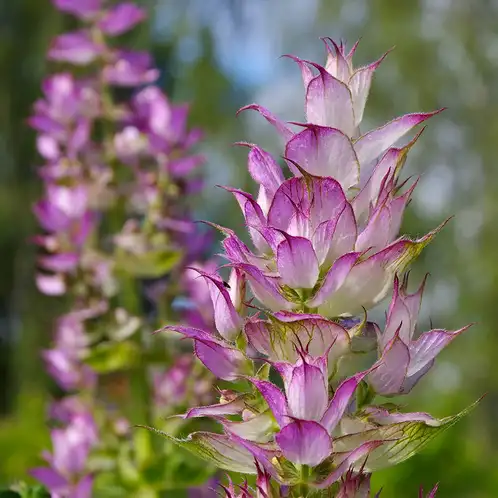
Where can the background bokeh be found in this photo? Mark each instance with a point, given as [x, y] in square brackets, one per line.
[222, 54]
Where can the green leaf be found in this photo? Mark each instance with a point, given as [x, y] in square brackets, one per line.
[216, 449]
[109, 357]
[37, 492]
[263, 372]
[174, 471]
[364, 395]
[149, 265]
[142, 446]
[22, 490]
[402, 440]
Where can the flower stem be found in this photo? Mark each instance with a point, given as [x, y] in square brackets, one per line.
[303, 485]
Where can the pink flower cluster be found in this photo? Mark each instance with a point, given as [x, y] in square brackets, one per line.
[116, 176]
[326, 249]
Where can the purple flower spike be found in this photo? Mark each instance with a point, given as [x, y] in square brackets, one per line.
[325, 249]
[101, 150]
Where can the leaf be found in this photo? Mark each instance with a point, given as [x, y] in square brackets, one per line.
[109, 357]
[152, 264]
[22, 490]
[37, 492]
[217, 449]
[402, 440]
[263, 372]
[173, 472]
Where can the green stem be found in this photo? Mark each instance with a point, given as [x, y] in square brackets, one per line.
[303, 486]
[138, 406]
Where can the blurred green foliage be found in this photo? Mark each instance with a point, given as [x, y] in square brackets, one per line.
[223, 54]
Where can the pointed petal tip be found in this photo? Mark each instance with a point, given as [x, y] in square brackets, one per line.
[374, 65]
[295, 58]
[249, 107]
[420, 117]
[166, 328]
[277, 123]
[327, 40]
[354, 48]
[301, 170]
[416, 137]
[226, 231]
[429, 236]
[244, 144]
[427, 115]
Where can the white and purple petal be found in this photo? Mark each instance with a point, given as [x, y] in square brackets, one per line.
[329, 103]
[265, 288]
[347, 460]
[301, 204]
[392, 367]
[371, 145]
[253, 215]
[359, 83]
[275, 399]
[297, 264]
[323, 151]
[339, 403]
[334, 280]
[259, 428]
[382, 416]
[224, 361]
[282, 128]
[307, 392]
[369, 280]
[228, 322]
[233, 407]
[335, 237]
[265, 171]
[428, 346]
[304, 442]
